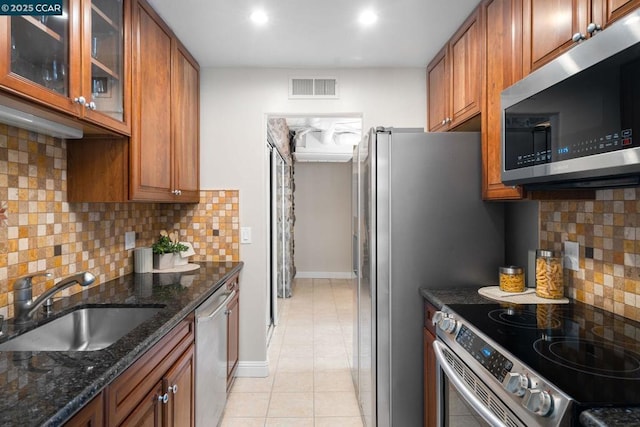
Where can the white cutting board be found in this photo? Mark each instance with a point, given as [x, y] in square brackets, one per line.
[527, 297]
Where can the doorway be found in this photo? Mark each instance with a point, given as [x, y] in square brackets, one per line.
[308, 142]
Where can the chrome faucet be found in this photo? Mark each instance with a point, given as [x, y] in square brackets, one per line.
[24, 307]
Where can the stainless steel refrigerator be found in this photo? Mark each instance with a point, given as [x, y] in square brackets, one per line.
[419, 222]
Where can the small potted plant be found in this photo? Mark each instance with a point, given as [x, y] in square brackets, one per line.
[164, 250]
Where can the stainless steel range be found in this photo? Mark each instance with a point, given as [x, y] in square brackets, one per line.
[535, 365]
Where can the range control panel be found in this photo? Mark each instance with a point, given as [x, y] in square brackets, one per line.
[498, 365]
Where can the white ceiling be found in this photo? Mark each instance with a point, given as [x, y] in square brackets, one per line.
[313, 33]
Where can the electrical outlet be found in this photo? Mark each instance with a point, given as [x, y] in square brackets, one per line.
[129, 240]
[571, 255]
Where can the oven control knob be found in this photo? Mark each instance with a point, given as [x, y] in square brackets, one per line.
[538, 401]
[516, 383]
[448, 324]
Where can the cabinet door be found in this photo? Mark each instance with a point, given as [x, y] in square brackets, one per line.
[148, 413]
[106, 69]
[186, 125]
[151, 153]
[437, 92]
[548, 28]
[179, 383]
[430, 396]
[616, 9]
[92, 415]
[465, 51]
[503, 68]
[41, 59]
[233, 332]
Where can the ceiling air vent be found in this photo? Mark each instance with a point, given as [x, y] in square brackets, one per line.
[313, 87]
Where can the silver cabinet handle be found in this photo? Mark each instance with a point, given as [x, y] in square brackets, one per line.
[92, 105]
[164, 398]
[578, 37]
[593, 28]
[80, 100]
[177, 192]
[173, 389]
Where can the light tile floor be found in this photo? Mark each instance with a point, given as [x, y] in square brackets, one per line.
[309, 384]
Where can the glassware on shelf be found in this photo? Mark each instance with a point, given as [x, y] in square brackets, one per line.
[94, 47]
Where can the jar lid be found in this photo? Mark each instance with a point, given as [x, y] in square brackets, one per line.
[511, 269]
[548, 254]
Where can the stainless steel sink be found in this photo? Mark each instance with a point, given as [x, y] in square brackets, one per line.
[85, 329]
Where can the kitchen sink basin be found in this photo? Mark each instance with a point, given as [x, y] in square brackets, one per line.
[85, 329]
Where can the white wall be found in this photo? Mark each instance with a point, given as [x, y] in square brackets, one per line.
[234, 105]
[323, 219]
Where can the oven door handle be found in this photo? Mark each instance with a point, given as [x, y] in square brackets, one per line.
[472, 400]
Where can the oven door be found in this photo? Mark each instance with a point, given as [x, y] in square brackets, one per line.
[463, 398]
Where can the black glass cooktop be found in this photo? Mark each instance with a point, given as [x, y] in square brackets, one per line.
[590, 354]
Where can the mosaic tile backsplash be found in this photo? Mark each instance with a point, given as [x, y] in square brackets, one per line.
[608, 278]
[40, 231]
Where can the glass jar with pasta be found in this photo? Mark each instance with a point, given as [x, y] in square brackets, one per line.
[549, 281]
[511, 279]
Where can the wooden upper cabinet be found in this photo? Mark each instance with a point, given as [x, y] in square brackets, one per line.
[548, 29]
[437, 92]
[151, 149]
[79, 65]
[186, 124]
[165, 132]
[465, 54]
[160, 162]
[453, 86]
[502, 69]
[551, 27]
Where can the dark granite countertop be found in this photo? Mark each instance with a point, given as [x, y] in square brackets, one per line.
[595, 417]
[610, 417]
[440, 297]
[46, 388]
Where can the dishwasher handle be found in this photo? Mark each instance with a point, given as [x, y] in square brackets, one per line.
[214, 312]
[462, 389]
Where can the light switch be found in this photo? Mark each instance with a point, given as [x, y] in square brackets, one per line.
[571, 255]
[245, 235]
[129, 240]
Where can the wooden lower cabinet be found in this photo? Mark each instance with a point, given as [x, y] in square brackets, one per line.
[92, 415]
[179, 384]
[148, 412]
[233, 331]
[430, 373]
[158, 389]
[430, 398]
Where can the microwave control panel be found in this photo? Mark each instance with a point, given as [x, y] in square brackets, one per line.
[533, 140]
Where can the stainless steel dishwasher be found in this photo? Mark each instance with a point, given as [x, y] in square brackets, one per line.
[211, 358]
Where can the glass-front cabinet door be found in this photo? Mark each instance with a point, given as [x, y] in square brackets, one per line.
[74, 62]
[105, 44]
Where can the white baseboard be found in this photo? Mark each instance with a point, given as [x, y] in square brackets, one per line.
[324, 275]
[253, 369]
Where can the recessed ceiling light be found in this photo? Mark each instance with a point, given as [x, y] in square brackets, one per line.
[368, 17]
[259, 17]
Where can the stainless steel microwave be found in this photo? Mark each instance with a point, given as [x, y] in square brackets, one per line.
[576, 121]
